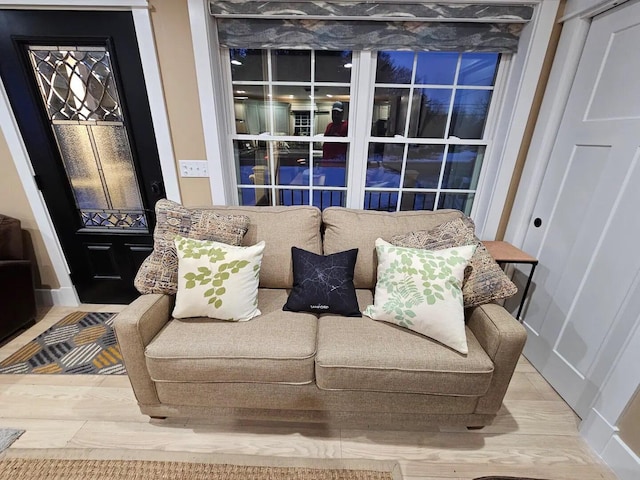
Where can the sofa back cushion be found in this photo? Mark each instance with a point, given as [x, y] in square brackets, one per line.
[281, 228]
[347, 228]
[10, 239]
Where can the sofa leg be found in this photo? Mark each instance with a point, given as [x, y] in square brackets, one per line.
[475, 428]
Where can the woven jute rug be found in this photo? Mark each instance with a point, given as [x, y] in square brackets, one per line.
[32, 469]
[95, 465]
[82, 342]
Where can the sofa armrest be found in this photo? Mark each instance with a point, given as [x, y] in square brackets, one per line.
[503, 339]
[135, 327]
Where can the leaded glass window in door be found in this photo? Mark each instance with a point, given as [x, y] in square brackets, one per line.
[80, 96]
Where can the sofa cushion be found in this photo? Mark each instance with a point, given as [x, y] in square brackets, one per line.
[347, 228]
[362, 354]
[217, 280]
[281, 228]
[486, 281]
[421, 290]
[276, 347]
[323, 283]
[159, 272]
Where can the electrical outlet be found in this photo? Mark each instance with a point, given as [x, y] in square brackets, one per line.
[194, 168]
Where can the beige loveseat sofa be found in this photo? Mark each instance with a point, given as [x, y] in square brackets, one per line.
[304, 367]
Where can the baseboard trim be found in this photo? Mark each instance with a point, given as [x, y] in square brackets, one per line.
[62, 297]
[603, 438]
[597, 431]
[621, 459]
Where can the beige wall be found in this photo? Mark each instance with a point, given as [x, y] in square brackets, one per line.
[14, 203]
[177, 68]
[629, 424]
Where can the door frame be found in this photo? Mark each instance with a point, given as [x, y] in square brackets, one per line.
[618, 388]
[66, 295]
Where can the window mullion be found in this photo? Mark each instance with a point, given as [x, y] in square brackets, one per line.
[228, 117]
[362, 95]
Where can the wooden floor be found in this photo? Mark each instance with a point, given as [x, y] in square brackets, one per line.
[535, 434]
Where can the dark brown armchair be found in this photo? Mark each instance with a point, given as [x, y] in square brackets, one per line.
[17, 295]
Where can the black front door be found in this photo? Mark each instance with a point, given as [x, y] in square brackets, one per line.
[76, 87]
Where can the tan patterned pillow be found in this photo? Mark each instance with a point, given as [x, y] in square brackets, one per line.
[159, 272]
[486, 281]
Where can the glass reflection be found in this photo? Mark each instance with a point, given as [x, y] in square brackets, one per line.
[429, 111]
[290, 197]
[333, 66]
[478, 69]
[291, 65]
[457, 201]
[463, 167]
[384, 165]
[257, 196]
[383, 201]
[394, 67]
[253, 161]
[436, 68]
[247, 65]
[390, 107]
[469, 114]
[424, 163]
[417, 201]
[329, 198]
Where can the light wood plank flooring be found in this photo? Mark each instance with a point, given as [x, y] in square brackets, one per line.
[535, 435]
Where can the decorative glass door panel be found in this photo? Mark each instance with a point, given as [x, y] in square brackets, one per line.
[80, 96]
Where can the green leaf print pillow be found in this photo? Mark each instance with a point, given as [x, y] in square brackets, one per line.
[422, 290]
[217, 280]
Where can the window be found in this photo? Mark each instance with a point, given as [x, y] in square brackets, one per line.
[428, 140]
[424, 149]
[284, 100]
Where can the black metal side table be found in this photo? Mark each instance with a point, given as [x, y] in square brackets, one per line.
[504, 253]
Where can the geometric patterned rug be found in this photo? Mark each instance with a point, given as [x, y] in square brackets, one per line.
[80, 343]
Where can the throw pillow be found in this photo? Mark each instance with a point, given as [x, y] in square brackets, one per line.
[486, 281]
[422, 290]
[323, 283]
[159, 271]
[217, 280]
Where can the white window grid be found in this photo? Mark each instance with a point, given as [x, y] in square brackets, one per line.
[362, 89]
[272, 140]
[449, 142]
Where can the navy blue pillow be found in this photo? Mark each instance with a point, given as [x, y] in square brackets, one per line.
[323, 283]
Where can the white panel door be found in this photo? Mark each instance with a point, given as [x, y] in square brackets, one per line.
[589, 204]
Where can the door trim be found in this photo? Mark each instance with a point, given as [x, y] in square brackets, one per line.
[598, 428]
[66, 294]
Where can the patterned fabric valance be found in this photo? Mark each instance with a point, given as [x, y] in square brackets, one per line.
[355, 25]
[367, 35]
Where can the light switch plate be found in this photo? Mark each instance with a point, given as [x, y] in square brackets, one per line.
[194, 168]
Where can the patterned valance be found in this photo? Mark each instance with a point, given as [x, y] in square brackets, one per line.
[378, 10]
[367, 35]
[356, 25]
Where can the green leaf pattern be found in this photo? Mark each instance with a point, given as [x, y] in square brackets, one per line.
[205, 276]
[415, 277]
